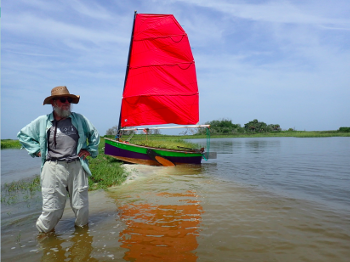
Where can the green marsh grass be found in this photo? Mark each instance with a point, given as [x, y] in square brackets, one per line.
[160, 141]
[106, 170]
[22, 190]
[10, 143]
[301, 134]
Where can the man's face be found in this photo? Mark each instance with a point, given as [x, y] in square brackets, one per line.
[62, 106]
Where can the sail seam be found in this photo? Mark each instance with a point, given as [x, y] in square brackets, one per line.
[166, 36]
[177, 64]
[162, 95]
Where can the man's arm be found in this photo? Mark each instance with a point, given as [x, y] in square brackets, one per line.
[93, 138]
[29, 138]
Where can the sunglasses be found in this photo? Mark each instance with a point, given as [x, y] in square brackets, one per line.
[63, 99]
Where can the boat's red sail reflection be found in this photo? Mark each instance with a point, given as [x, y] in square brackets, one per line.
[162, 232]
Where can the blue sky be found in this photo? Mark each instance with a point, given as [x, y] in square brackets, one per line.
[281, 62]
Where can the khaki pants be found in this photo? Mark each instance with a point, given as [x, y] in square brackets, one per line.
[58, 178]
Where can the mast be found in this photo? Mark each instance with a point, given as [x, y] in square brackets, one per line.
[126, 75]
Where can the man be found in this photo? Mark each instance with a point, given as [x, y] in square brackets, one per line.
[60, 139]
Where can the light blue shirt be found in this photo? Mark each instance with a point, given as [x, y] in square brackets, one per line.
[33, 137]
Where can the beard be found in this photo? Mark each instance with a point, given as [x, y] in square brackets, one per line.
[61, 112]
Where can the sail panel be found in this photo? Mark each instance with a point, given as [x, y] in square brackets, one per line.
[161, 84]
[156, 26]
[161, 51]
[162, 80]
[157, 110]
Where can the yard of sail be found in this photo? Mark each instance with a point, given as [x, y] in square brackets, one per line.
[161, 84]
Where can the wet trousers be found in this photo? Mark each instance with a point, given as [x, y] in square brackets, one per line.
[57, 179]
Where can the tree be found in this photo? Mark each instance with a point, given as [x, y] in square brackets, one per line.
[344, 129]
[223, 126]
[256, 126]
[273, 128]
[112, 131]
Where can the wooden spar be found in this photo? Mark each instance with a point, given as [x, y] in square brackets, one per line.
[163, 127]
[126, 74]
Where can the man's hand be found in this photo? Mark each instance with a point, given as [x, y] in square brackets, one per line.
[83, 153]
[38, 154]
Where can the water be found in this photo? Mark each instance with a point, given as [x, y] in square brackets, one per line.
[263, 199]
[17, 164]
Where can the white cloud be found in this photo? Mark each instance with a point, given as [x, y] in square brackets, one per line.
[281, 11]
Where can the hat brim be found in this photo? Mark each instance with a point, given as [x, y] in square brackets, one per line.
[75, 99]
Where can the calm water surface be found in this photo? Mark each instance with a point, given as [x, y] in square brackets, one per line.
[263, 199]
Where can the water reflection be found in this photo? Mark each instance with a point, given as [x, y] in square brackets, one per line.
[224, 148]
[77, 247]
[162, 232]
[258, 145]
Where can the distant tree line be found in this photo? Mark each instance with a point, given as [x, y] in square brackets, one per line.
[344, 129]
[226, 127]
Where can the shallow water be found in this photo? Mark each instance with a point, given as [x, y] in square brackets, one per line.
[17, 164]
[265, 199]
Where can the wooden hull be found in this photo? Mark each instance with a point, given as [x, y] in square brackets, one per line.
[150, 156]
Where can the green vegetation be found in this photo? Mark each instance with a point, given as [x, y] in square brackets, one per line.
[9, 143]
[288, 134]
[106, 170]
[259, 127]
[225, 128]
[24, 189]
[158, 141]
[344, 129]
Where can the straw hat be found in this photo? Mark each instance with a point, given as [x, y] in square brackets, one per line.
[59, 91]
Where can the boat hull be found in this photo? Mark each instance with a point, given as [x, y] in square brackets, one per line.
[148, 155]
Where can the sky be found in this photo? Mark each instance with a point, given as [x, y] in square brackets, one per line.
[281, 62]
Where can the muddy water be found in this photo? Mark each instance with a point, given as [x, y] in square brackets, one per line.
[258, 201]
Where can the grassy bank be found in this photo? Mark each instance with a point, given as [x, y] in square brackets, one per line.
[106, 171]
[9, 143]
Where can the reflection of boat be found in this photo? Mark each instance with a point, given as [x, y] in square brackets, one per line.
[160, 88]
[162, 232]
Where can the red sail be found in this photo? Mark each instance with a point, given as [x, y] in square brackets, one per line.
[161, 84]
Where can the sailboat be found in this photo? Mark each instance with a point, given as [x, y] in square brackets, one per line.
[160, 88]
